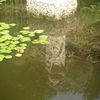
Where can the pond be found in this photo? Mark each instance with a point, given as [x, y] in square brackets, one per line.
[67, 68]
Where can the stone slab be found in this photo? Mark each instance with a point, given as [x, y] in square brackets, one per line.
[52, 8]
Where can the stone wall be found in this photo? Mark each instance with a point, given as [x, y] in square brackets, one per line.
[52, 8]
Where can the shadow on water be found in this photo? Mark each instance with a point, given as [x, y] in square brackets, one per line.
[47, 72]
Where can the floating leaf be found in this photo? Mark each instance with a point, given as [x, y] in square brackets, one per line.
[1, 28]
[20, 36]
[10, 44]
[26, 28]
[43, 39]
[25, 39]
[15, 42]
[4, 32]
[31, 34]
[7, 42]
[15, 38]
[8, 57]
[7, 51]
[23, 45]
[12, 24]
[6, 37]
[18, 55]
[24, 32]
[4, 26]
[21, 50]
[1, 57]
[39, 31]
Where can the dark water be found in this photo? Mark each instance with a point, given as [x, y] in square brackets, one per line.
[48, 72]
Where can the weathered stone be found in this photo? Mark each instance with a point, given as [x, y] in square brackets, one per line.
[52, 8]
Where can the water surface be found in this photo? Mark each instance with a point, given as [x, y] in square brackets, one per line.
[52, 71]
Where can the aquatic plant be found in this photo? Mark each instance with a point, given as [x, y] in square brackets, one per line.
[85, 41]
[15, 45]
[93, 11]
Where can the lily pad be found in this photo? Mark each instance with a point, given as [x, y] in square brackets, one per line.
[8, 57]
[4, 26]
[4, 32]
[1, 57]
[39, 31]
[12, 24]
[24, 32]
[43, 39]
[23, 45]
[25, 39]
[31, 34]
[18, 55]
[35, 42]
[10, 44]
[26, 28]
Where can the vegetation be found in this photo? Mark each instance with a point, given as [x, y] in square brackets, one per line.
[93, 12]
[15, 45]
[85, 41]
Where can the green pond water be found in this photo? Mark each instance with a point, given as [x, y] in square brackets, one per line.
[68, 68]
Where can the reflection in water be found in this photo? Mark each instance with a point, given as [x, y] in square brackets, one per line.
[98, 98]
[27, 79]
[82, 81]
[55, 50]
[92, 90]
[64, 96]
[55, 59]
